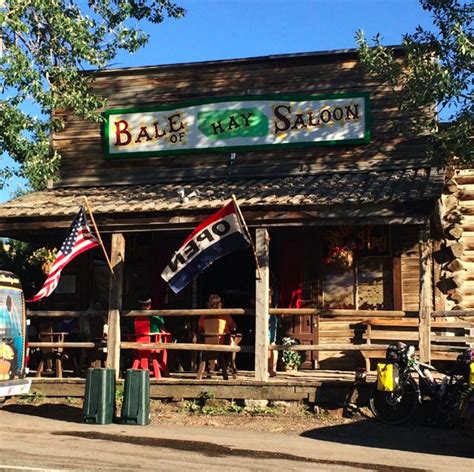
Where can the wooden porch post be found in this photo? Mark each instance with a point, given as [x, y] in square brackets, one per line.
[426, 299]
[115, 303]
[262, 244]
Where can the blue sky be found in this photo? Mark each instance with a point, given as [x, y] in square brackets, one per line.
[224, 29]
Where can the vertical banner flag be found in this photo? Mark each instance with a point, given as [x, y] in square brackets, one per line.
[78, 240]
[219, 235]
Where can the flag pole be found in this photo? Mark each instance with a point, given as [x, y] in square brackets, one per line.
[98, 234]
[248, 235]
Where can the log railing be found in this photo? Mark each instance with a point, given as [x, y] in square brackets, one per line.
[356, 315]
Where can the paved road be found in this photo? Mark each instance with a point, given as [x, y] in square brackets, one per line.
[29, 442]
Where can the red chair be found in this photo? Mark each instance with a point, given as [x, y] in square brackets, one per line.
[155, 360]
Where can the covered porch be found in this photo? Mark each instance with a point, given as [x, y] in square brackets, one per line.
[344, 315]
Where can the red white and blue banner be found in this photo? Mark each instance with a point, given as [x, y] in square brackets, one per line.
[222, 233]
[79, 239]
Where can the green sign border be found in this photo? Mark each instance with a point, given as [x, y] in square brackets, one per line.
[245, 98]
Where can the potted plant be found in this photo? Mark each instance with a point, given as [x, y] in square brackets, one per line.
[291, 360]
[44, 258]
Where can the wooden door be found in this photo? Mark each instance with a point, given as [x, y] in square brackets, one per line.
[297, 273]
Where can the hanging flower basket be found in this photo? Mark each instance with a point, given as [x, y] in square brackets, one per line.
[44, 258]
[46, 267]
[339, 256]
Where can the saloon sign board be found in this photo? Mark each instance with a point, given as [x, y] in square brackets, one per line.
[237, 123]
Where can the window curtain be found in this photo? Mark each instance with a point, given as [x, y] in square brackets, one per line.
[291, 275]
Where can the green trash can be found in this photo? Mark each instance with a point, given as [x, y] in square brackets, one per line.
[99, 400]
[136, 397]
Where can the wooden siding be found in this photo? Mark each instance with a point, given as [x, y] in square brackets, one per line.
[80, 142]
[406, 240]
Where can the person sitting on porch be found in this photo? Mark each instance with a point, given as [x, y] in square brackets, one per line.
[157, 323]
[150, 329]
[215, 329]
[272, 337]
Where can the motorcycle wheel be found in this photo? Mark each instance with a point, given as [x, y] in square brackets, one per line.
[466, 412]
[395, 407]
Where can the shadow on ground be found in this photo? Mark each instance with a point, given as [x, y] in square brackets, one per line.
[52, 411]
[410, 437]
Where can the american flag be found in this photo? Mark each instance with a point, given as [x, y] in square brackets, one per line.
[78, 240]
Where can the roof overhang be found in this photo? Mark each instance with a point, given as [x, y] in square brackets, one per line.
[400, 196]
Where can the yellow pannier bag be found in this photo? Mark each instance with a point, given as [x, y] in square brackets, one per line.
[471, 374]
[387, 377]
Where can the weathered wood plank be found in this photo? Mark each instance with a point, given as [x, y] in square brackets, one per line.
[262, 285]
[454, 313]
[452, 339]
[63, 313]
[426, 295]
[73, 345]
[392, 335]
[115, 303]
[329, 347]
[273, 311]
[413, 323]
[187, 347]
[191, 312]
[80, 144]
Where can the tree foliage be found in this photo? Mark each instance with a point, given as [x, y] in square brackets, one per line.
[15, 256]
[438, 69]
[46, 45]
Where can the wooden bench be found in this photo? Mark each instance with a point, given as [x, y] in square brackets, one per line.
[448, 338]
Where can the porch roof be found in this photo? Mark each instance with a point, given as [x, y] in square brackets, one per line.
[399, 186]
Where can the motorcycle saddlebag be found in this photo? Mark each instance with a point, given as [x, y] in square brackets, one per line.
[387, 377]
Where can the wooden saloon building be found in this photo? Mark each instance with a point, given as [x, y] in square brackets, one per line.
[345, 213]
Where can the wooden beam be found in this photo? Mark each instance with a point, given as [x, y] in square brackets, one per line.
[454, 313]
[426, 295]
[192, 312]
[328, 347]
[271, 215]
[63, 313]
[115, 303]
[273, 347]
[262, 244]
[336, 312]
[187, 347]
[69, 345]
[273, 311]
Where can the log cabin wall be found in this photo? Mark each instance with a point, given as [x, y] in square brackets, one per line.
[457, 256]
[80, 142]
[465, 180]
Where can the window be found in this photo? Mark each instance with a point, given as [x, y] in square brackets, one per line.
[372, 277]
[67, 285]
[356, 269]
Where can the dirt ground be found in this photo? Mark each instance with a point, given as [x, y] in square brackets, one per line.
[288, 417]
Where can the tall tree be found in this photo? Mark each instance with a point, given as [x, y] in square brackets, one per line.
[437, 69]
[46, 45]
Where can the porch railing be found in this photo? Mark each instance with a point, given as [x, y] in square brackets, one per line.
[369, 318]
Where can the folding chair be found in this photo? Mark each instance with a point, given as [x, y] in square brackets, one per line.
[214, 333]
